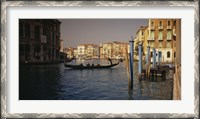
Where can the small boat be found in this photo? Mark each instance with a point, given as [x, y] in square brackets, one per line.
[91, 66]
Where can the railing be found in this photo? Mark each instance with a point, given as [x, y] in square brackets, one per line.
[169, 38]
[160, 27]
[152, 27]
[169, 27]
[150, 39]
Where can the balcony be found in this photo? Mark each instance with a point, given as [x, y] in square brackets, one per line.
[169, 27]
[160, 39]
[152, 27]
[151, 39]
[160, 27]
[169, 38]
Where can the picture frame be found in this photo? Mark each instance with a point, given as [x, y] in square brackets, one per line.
[6, 5]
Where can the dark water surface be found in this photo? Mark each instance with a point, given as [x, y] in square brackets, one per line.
[55, 82]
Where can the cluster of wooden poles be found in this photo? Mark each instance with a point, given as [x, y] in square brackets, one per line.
[148, 70]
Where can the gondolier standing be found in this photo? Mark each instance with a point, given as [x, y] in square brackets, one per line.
[110, 61]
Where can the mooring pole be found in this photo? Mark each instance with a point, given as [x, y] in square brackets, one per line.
[147, 56]
[154, 57]
[140, 59]
[159, 57]
[131, 61]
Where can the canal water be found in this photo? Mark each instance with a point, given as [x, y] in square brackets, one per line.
[55, 82]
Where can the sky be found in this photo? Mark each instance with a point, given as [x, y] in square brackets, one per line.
[96, 31]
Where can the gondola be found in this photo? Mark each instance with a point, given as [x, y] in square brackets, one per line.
[68, 60]
[91, 66]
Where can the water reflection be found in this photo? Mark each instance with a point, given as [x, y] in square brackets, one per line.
[55, 82]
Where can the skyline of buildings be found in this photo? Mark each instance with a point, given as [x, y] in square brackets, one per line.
[39, 41]
[158, 33]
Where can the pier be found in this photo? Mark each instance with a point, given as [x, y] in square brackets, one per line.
[153, 69]
[155, 72]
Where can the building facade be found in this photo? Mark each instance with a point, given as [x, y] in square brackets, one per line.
[92, 51]
[70, 52]
[81, 50]
[106, 50]
[75, 53]
[39, 40]
[88, 51]
[141, 37]
[114, 50]
[160, 37]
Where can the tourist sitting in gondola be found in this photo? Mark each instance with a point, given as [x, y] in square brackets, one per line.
[88, 65]
[92, 66]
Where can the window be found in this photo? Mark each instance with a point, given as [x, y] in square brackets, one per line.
[152, 35]
[152, 23]
[27, 49]
[168, 44]
[168, 23]
[174, 22]
[27, 30]
[37, 31]
[160, 45]
[160, 54]
[169, 34]
[160, 35]
[21, 29]
[168, 54]
[174, 54]
[21, 49]
[44, 30]
[151, 44]
[142, 34]
[160, 23]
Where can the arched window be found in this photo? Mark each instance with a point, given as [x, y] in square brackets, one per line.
[160, 54]
[37, 31]
[152, 23]
[168, 54]
[168, 23]
[174, 22]
[27, 30]
[160, 23]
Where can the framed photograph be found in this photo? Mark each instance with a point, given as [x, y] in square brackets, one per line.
[99, 59]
